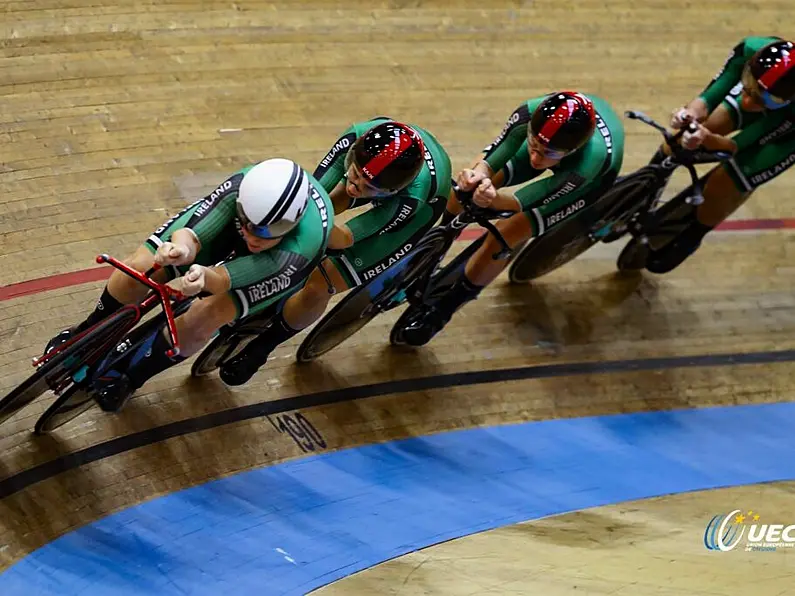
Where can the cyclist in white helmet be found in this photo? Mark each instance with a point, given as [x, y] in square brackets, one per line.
[269, 222]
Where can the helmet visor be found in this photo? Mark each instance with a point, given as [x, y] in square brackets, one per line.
[535, 144]
[759, 95]
[371, 190]
[275, 230]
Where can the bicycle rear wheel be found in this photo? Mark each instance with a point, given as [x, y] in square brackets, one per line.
[83, 350]
[551, 251]
[606, 220]
[366, 302]
[625, 199]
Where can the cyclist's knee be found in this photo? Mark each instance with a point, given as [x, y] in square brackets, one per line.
[453, 204]
[123, 287]
[721, 198]
[316, 289]
[207, 315]
[141, 260]
[515, 230]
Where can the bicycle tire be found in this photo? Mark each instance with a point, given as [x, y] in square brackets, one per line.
[73, 402]
[565, 243]
[633, 257]
[406, 318]
[360, 306]
[634, 189]
[551, 251]
[70, 360]
[219, 349]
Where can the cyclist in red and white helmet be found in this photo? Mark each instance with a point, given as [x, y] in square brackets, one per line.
[754, 93]
[403, 174]
[579, 138]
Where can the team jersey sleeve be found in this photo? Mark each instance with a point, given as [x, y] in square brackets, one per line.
[571, 179]
[385, 216]
[331, 169]
[216, 211]
[510, 140]
[250, 269]
[750, 136]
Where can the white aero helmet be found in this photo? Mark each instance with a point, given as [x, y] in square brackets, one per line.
[272, 197]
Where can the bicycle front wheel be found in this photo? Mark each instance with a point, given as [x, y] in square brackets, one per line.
[81, 351]
[73, 402]
[364, 303]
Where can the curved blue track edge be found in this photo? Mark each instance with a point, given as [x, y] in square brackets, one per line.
[293, 527]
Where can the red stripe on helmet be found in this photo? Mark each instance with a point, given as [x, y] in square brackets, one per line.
[562, 114]
[405, 138]
[773, 74]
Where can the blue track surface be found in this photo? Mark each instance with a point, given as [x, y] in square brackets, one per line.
[293, 527]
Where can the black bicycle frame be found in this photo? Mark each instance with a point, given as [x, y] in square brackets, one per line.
[649, 221]
[474, 214]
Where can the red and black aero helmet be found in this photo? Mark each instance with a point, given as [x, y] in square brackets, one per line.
[773, 67]
[564, 121]
[389, 155]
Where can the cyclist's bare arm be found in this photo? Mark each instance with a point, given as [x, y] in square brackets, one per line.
[340, 237]
[216, 280]
[698, 109]
[720, 123]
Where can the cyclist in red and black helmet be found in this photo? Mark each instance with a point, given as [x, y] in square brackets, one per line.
[387, 157]
[561, 124]
[754, 93]
[579, 138]
[772, 69]
[404, 174]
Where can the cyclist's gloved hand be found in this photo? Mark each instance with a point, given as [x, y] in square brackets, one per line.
[693, 140]
[169, 253]
[468, 179]
[484, 194]
[681, 117]
[191, 283]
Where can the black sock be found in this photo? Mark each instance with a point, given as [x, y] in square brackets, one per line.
[460, 292]
[277, 333]
[150, 359]
[447, 217]
[106, 306]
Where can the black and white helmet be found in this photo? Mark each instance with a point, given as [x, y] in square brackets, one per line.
[272, 197]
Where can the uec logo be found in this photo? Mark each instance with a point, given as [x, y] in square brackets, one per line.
[721, 534]
[724, 532]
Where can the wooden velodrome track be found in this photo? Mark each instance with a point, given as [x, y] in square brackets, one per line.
[115, 115]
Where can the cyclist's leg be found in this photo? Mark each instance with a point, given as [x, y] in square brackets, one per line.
[121, 289]
[355, 266]
[149, 357]
[308, 304]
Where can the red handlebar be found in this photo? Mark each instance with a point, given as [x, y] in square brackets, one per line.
[164, 293]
